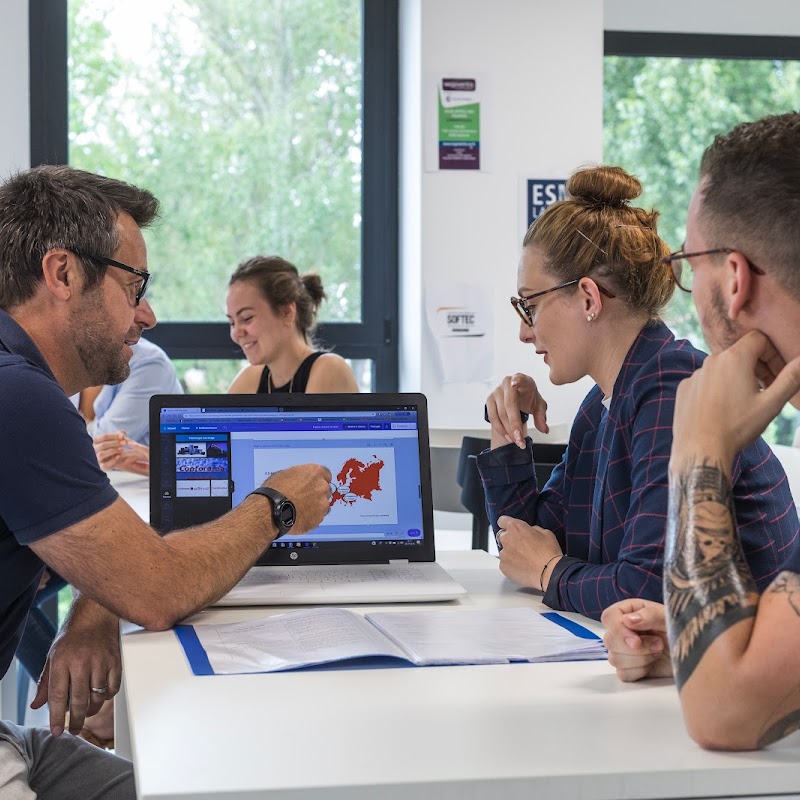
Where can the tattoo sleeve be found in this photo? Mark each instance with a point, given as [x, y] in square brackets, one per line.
[783, 727]
[788, 584]
[707, 583]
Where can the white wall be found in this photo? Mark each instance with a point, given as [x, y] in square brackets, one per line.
[544, 63]
[745, 17]
[14, 93]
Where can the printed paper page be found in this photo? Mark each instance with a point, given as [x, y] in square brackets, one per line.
[482, 636]
[297, 638]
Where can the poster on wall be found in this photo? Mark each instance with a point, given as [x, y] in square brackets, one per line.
[457, 116]
[461, 321]
[539, 193]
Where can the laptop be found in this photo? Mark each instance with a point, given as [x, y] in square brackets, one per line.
[376, 545]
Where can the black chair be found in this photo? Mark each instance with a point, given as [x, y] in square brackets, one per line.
[472, 496]
[444, 469]
[457, 485]
[546, 457]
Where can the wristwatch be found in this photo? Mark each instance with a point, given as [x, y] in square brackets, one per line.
[284, 513]
[523, 415]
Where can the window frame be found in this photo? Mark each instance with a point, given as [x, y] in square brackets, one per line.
[376, 336]
[646, 44]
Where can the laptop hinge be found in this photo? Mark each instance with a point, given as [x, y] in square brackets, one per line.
[398, 561]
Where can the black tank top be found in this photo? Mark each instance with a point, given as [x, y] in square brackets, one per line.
[297, 384]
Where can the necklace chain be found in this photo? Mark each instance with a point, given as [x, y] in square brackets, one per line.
[269, 383]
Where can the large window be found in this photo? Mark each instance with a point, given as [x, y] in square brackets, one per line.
[264, 127]
[666, 97]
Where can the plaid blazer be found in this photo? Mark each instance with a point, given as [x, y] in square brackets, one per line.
[607, 500]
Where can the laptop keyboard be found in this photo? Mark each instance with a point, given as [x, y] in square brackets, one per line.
[332, 575]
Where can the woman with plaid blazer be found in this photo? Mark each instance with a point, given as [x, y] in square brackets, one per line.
[591, 287]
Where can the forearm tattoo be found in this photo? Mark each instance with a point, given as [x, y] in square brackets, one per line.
[788, 583]
[707, 583]
[782, 728]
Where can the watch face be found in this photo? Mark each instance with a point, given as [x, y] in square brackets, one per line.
[287, 514]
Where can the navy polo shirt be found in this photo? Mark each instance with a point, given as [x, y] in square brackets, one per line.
[49, 476]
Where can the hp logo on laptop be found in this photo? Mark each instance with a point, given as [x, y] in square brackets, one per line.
[293, 555]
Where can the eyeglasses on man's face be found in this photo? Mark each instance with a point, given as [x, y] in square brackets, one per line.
[526, 308]
[136, 289]
[682, 270]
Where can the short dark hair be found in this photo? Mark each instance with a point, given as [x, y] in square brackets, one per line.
[51, 207]
[281, 283]
[751, 194]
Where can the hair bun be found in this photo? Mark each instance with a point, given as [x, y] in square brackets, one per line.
[313, 285]
[603, 186]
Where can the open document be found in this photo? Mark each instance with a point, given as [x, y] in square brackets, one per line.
[324, 635]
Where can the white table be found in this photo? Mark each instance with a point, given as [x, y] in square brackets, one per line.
[518, 731]
[135, 489]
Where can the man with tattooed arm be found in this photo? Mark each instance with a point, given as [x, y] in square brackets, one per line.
[734, 654]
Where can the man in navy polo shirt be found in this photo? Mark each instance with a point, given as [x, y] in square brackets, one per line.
[734, 653]
[73, 272]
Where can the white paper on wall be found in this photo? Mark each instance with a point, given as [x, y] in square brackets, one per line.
[461, 322]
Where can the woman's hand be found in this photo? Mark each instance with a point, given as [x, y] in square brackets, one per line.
[636, 639]
[516, 393]
[117, 451]
[528, 553]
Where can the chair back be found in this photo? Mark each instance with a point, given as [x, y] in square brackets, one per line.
[546, 457]
[472, 495]
[457, 482]
[444, 482]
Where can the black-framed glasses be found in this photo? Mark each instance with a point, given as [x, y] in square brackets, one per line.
[140, 287]
[522, 304]
[682, 270]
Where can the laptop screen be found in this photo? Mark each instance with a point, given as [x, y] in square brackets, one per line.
[208, 452]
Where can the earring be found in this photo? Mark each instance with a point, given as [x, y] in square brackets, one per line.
[590, 317]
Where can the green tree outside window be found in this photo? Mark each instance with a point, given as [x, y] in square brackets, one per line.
[244, 118]
[659, 116]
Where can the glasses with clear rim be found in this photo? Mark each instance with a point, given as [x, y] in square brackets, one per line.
[682, 270]
[140, 273]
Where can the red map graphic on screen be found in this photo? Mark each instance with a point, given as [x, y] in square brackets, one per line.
[357, 480]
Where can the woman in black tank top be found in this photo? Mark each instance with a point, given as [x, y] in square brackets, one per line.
[298, 382]
[272, 310]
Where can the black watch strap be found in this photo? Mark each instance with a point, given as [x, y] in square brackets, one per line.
[523, 415]
[284, 513]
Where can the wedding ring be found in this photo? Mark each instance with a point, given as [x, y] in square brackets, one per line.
[98, 689]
